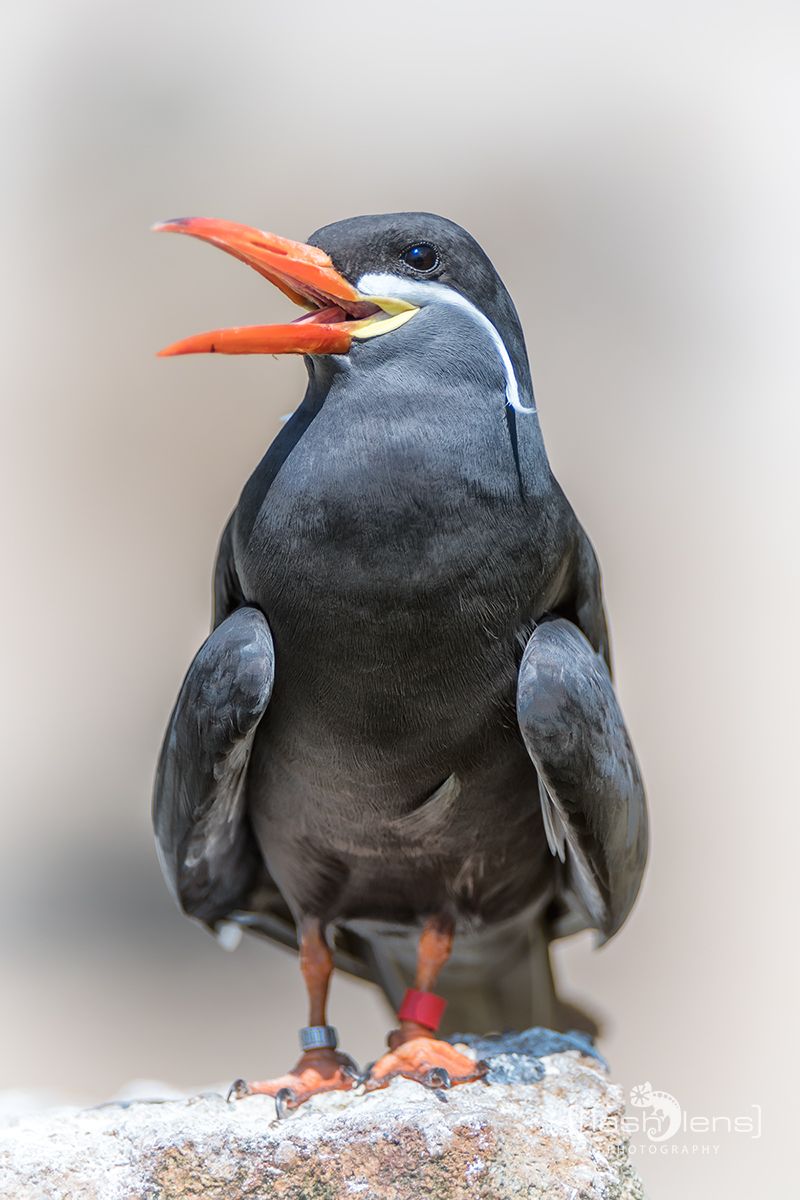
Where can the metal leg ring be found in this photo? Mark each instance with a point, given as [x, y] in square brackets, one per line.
[318, 1037]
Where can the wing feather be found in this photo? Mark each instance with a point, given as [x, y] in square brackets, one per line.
[202, 832]
[593, 801]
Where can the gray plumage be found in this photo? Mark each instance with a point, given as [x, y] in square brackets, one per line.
[405, 706]
[590, 786]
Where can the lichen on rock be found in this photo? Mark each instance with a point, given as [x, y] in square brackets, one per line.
[552, 1128]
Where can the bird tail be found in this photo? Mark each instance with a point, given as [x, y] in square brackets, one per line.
[496, 980]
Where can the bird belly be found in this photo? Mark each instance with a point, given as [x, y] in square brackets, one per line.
[474, 847]
[398, 618]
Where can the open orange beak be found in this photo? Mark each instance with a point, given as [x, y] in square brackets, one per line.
[338, 313]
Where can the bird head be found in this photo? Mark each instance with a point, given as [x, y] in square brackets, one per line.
[372, 286]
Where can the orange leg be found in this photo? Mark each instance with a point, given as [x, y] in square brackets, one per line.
[320, 1069]
[413, 1051]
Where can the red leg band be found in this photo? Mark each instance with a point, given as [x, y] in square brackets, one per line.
[423, 1007]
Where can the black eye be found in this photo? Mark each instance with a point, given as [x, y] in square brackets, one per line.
[422, 257]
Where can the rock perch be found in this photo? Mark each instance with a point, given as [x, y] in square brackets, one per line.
[548, 1125]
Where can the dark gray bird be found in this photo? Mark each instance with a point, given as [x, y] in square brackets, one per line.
[403, 722]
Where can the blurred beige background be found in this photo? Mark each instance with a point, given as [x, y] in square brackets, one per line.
[633, 172]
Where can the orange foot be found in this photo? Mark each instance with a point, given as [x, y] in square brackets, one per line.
[316, 1071]
[429, 1061]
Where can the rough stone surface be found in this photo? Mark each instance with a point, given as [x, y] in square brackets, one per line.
[551, 1129]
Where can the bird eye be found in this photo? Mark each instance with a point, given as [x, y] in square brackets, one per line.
[421, 256]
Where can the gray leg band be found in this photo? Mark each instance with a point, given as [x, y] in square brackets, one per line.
[316, 1037]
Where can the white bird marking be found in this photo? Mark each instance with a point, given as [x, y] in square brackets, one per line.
[229, 935]
[422, 292]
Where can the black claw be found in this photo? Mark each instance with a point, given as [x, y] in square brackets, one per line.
[285, 1102]
[482, 1066]
[350, 1069]
[437, 1077]
[361, 1077]
[237, 1090]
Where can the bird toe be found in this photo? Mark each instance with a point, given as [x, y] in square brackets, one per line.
[428, 1061]
[317, 1071]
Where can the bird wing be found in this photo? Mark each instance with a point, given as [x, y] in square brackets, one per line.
[590, 786]
[206, 848]
[202, 833]
[228, 595]
[589, 611]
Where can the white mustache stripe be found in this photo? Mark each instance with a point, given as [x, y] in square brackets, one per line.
[428, 291]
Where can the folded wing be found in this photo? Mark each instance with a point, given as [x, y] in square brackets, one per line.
[590, 786]
[203, 836]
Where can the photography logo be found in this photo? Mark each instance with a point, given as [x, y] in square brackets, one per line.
[668, 1128]
[666, 1112]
